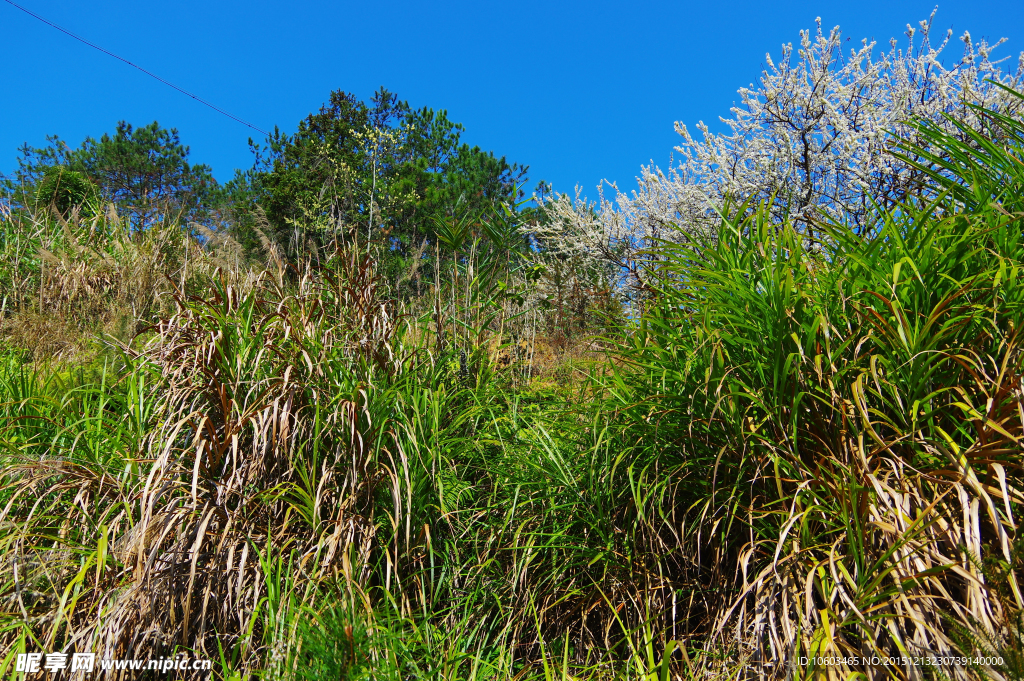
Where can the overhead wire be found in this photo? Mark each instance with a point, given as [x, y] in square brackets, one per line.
[148, 73]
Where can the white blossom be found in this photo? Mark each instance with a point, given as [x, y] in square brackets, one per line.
[818, 133]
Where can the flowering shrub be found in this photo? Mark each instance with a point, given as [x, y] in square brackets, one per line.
[818, 134]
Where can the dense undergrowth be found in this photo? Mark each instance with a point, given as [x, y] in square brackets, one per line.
[798, 447]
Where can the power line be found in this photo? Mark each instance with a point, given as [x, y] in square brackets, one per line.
[151, 75]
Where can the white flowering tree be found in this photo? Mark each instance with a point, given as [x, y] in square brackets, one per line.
[818, 134]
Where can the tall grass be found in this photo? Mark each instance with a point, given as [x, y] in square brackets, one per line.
[799, 449]
[839, 425]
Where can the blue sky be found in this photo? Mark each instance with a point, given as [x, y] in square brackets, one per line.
[579, 91]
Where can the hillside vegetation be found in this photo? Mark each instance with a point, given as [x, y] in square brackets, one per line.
[390, 431]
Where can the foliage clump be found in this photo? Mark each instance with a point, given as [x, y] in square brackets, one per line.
[65, 189]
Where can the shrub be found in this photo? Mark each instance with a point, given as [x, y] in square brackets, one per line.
[65, 189]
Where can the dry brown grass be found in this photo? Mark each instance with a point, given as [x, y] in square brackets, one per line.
[79, 280]
[259, 452]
